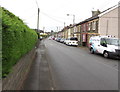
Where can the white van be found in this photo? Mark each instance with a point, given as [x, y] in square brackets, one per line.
[108, 46]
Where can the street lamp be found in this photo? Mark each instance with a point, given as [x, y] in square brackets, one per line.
[73, 22]
[73, 17]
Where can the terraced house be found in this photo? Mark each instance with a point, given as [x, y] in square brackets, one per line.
[87, 28]
[101, 23]
[108, 22]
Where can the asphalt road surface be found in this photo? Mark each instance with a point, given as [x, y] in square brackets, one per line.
[74, 68]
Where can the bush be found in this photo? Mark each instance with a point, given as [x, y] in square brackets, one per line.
[17, 40]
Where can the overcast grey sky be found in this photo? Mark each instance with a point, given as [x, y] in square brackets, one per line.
[53, 13]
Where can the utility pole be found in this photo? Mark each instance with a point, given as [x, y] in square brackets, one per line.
[73, 17]
[57, 29]
[64, 24]
[43, 29]
[38, 20]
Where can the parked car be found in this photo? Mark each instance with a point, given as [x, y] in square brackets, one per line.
[41, 38]
[55, 39]
[62, 40]
[58, 39]
[50, 38]
[72, 41]
[108, 46]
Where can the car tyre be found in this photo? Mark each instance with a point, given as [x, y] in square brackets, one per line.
[106, 54]
[68, 44]
[91, 51]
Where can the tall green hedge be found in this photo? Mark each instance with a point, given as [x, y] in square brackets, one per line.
[17, 40]
[0, 43]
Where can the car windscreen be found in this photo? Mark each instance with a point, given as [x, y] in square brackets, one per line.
[74, 39]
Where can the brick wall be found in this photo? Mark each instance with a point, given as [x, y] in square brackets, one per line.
[16, 78]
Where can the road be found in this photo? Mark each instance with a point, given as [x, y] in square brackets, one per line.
[74, 68]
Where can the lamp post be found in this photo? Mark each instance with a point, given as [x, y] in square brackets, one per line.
[73, 31]
[38, 20]
[73, 17]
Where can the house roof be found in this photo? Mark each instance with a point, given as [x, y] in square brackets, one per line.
[108, 10]
[89, 19]
[97, 16]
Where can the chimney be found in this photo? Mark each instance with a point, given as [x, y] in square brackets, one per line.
[94, 13]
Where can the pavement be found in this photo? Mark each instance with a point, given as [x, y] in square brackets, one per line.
[39, 77]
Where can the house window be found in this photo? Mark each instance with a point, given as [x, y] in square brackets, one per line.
[75, 29]
[84, 27]
[78, 29]
[97, 25]
[94, 25]
[89, 26]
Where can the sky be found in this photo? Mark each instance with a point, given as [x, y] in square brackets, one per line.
[53, 13]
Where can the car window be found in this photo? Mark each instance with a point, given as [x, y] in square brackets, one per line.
[74, 39]
[113, 41]
[103, 41]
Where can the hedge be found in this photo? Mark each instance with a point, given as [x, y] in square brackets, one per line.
[17, 40]
[0, 44]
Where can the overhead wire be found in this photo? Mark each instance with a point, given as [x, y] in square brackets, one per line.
[53, 18]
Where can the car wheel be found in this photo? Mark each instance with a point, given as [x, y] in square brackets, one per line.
[106, 54]
[68, 44]
[91, 51]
